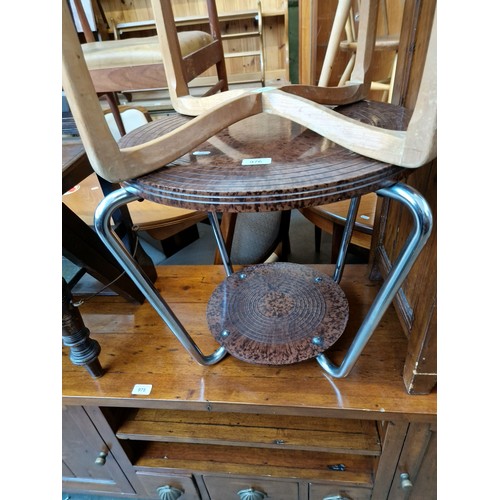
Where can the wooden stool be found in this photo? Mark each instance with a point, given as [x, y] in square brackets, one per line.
[332, 218]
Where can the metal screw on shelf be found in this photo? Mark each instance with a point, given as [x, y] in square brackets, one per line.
[317, 341]
[101, 458]
[406, 484]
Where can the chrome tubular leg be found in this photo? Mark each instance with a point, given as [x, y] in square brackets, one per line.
[346, 238]
[422, 225]
[102, 219]
[214, 222]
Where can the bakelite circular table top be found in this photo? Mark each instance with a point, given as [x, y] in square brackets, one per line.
[264, 163]
[277, 314]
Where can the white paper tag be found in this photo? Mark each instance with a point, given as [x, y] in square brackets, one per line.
[256, 161]
[142, 389]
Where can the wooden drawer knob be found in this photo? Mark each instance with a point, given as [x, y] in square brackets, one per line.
[251, 494]
[168, 492]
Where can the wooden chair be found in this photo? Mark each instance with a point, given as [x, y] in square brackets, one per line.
[190, 105]
[172, 227]
[332, 218]
[344, 19]
[171, 161]
[120, 64]
[385, 42]
[136, 63]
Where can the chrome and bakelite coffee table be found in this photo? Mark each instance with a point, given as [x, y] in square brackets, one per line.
[273, 313]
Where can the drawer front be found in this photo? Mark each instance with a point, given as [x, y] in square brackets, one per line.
[322, 491]
[152, 482]
[227, 488]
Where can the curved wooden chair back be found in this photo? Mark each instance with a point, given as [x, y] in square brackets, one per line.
[411, 148]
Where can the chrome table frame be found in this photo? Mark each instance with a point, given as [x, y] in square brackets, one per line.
[400, 192]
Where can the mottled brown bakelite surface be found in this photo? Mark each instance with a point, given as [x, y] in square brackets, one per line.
[276, 314]
[305, 169]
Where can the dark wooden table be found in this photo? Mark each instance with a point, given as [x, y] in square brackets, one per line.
[80, 243]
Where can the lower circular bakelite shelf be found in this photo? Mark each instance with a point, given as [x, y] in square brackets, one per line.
[277, 314]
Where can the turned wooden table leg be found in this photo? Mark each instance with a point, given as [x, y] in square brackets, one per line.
[83, 350]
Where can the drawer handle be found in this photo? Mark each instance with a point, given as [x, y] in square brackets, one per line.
[101, 458]
[406, 484]
[336, 497]
[251, 494]
[168, 492]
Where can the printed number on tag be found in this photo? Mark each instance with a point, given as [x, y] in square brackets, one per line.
[142, 389]
[256, 161]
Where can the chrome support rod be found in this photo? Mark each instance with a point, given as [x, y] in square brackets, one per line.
[346, 238]
[221, 245]
[102, 222]
[422, 225]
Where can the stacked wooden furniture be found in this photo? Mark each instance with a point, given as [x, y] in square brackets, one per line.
[170, 428]
[134, 64]
[417, 300]
[255, 37]
[238, 25]
[156, 422]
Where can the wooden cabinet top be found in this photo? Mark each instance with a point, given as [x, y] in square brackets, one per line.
[137, 348]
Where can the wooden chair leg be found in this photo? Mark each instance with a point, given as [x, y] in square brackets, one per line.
[84, 351]
[336, 240]
[317, 238]
[228, 224]
[284, 234]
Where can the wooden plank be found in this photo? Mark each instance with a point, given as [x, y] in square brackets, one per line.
[307, 42]
[420, 449]
[258, 462]
[285, 432]
[393, 441]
